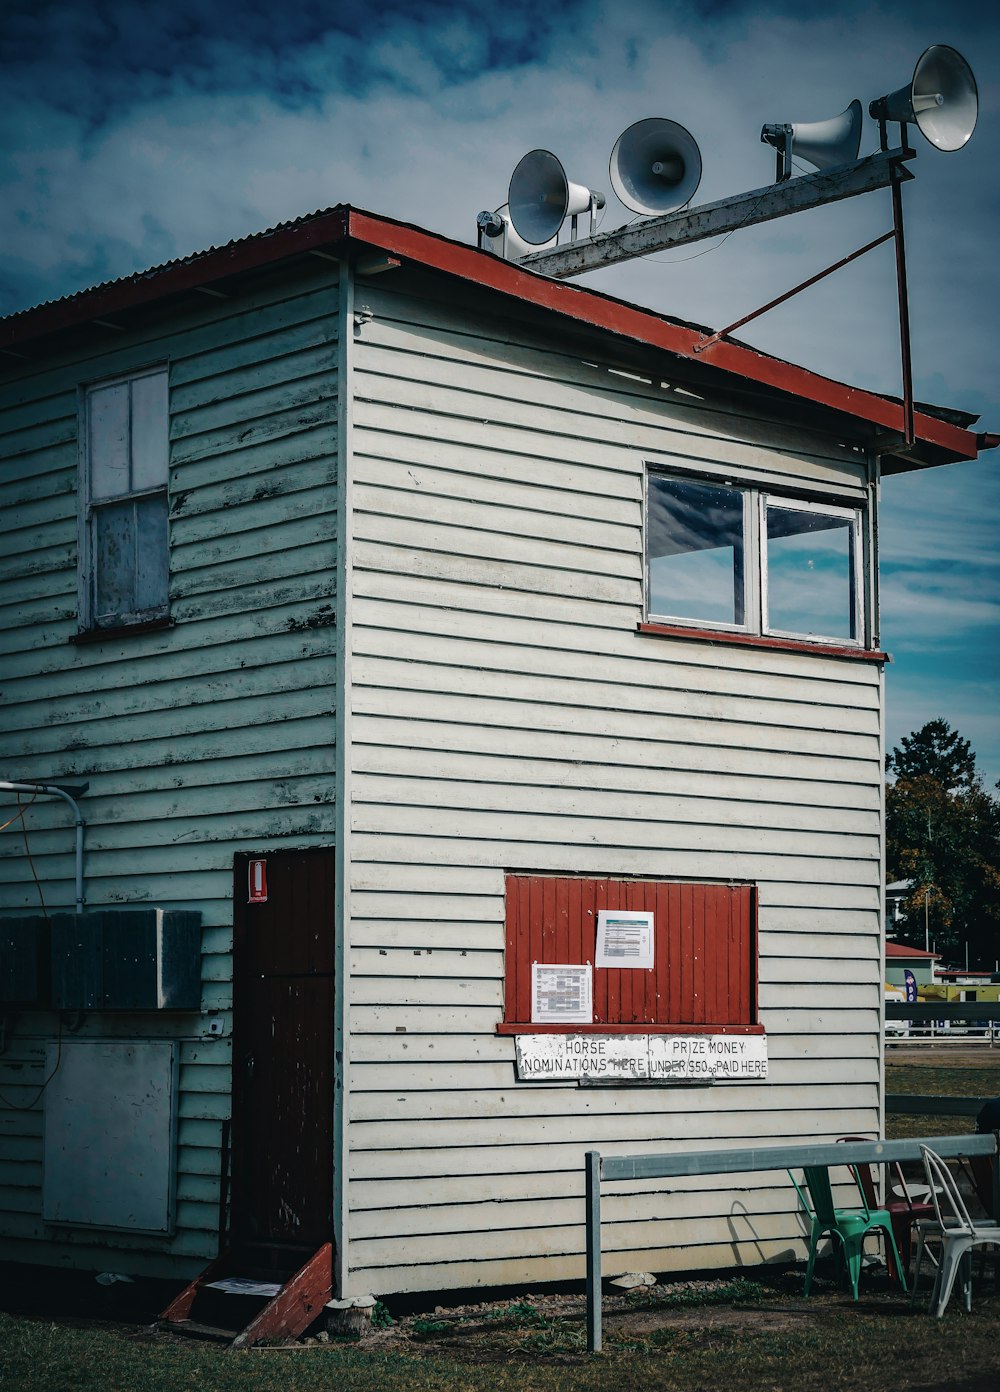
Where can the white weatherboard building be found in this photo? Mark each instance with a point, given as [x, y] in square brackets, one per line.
[412, 620]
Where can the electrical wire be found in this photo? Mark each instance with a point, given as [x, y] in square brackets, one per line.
[19, 814]
[27, 852]
[30, 1106]
[680, 260]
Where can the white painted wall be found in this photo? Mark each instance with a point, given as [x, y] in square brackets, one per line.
[506, 715]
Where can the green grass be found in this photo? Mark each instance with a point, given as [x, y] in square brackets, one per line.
[826, 1342]
[931, 1075]
[750, 1335]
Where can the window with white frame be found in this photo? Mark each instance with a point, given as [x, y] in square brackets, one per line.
[731, 556]
[124, 549]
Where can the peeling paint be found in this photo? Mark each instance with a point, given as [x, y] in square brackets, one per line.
[324, 617]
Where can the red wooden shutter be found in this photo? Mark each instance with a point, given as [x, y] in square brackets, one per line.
[705, 953]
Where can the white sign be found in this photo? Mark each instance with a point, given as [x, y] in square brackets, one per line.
[624, 938]
[707, 1056]
[561, 994]
[618, 1057]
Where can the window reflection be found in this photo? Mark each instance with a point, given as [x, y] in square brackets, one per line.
[695, 551]
[810, 573]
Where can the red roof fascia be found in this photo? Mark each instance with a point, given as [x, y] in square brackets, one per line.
[336, 226]
[603, 312]
[177, 277]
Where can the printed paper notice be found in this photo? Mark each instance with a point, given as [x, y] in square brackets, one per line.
[561, 995]
[624, 938]
[246, 1285]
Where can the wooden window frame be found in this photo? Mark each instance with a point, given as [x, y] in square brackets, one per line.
[137, 621]
[690, 990]
[754, 630]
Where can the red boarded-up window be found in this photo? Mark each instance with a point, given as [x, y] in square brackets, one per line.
[704, 974]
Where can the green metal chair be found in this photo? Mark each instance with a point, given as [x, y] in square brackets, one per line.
[847, 1226]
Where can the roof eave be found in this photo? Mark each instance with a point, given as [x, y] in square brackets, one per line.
[338, 230]
[938, 441]
[326, 230]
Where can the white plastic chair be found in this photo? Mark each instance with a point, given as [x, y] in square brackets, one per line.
[955, 1230]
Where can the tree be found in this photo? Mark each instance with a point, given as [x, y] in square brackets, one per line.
[935, 751]
[943, 834]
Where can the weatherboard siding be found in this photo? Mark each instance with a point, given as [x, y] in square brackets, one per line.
[506, 716]
[214, 736]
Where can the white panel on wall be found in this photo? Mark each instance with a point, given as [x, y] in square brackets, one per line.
[110, 1123]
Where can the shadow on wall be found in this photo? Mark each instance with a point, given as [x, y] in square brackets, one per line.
[744, 1234]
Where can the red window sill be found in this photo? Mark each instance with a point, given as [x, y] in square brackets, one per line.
[98, 635]
[638, 1028]
[754, 640]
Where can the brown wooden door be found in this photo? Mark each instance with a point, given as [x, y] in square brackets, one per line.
[283, 979]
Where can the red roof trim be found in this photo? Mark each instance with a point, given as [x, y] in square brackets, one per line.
[175, 277]
[603, 312]
[334, 227]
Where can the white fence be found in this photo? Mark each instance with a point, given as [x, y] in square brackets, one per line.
[942, 1022]
[945, 1033]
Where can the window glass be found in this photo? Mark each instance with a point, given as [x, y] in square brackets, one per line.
[695, 551]
[151, 577]
[810, 573]
[114, 556]
[109, 432]
[149, 431]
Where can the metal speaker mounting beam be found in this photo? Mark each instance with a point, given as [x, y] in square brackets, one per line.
[712, 219]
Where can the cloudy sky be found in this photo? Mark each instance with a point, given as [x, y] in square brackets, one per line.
[131, 134]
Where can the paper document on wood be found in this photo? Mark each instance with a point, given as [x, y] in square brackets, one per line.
[561, 993]
[245, 1285]
[624, 938]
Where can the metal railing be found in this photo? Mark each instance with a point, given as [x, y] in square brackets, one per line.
[932, 1104]
[599, 1168]
[943, 1022]
[947, 1034]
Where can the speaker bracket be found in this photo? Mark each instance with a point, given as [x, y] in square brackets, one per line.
[779, 135]
[597, 200]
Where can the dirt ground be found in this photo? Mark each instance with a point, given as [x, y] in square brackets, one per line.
[555, 1324]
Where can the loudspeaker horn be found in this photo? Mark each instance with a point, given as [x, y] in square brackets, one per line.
[655, 166]
[497, 234]
[824, 144]
[941, 99]
[829, 143]
[541, 197]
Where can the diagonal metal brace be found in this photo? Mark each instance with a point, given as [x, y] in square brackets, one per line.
[821, 275]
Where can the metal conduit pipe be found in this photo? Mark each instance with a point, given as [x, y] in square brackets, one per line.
[53, 790]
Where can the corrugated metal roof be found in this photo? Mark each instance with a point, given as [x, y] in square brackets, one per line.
[941, 436]
[895, 949]
[151, 272]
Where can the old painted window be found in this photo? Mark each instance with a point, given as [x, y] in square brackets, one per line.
[124, 555]
[704, 954]
[734, 557]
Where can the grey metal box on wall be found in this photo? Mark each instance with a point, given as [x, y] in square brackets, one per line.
[76, 961]
[24, 960]
[127, 959]
[151, 959]
[110, 1132]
